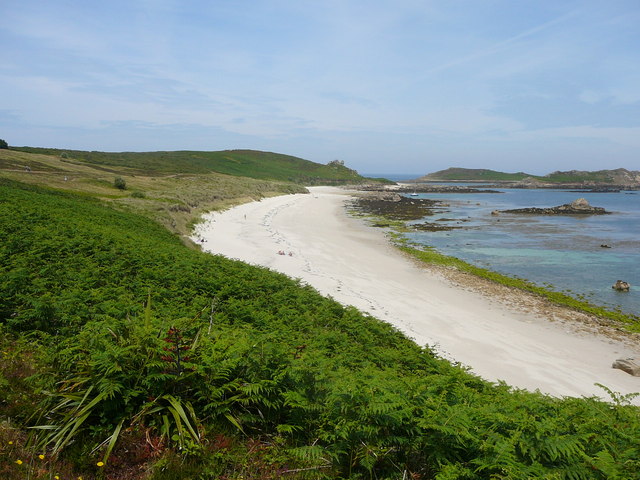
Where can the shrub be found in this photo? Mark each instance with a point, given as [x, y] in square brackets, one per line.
[120, 183]
[3, 144]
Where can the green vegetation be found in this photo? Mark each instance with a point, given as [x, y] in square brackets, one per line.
[174, 200]
[3, 144]
[601, 177]
[133, 357]
[476, 174]
[245, 163]
[120, 183]
[598, 177]
[172, 188]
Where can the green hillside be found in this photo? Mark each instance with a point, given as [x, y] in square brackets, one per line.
[175, 200]
[244, 163]
[618, 176]
[474, 174]
[138, 358]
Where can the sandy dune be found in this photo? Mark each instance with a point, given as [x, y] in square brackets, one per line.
[354, 264]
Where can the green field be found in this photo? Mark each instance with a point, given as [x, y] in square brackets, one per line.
[122, 346]
[245, 163]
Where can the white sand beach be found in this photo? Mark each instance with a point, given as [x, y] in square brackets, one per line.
[355, 264]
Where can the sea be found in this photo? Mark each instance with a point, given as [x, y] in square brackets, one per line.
[581, 256]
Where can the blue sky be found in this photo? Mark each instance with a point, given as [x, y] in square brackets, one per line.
[407, 86]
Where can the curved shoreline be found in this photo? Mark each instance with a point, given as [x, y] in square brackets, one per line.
[501, 337]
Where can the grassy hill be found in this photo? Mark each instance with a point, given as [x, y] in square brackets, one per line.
[243, 163]
[619, 176]
[456, 174]
[172, 188]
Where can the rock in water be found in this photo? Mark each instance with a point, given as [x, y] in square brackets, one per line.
[629, 365]
[577, 207]
[580, 204]
[621, 286]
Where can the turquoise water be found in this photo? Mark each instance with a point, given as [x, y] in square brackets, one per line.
[562, 251]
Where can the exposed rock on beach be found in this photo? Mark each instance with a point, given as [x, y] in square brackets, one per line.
[393, 206]
[629, 365]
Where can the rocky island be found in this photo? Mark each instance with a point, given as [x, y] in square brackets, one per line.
[601, 181]
[577, 207]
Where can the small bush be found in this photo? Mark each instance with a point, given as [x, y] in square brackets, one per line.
[138, 194]
[120, 183]
[3, 144]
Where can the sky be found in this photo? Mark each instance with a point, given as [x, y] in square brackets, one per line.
[402, 86]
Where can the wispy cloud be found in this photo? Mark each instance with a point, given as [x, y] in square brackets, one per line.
[354, 80]
[503, 44]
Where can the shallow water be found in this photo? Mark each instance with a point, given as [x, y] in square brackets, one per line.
[564, 251]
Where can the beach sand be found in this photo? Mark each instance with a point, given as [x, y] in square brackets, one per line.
[498, 333]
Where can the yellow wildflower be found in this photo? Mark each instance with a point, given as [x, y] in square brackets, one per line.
[10, 442]
[41, 457]
[19, 462]
[57, 477]
[100, 464]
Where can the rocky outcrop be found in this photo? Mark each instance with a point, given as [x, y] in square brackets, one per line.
[598, 181]
[629, 365]
[577, 207]
[393, 206]
[384, 196]
[619, 176]
[424, 188]
[528, 182]
[417, 187]
[621, 286]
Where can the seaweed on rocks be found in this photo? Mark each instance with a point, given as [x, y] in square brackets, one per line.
[394, 207]
[433, 227]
